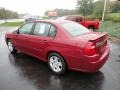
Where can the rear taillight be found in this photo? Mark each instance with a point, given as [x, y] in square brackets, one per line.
[89, 49]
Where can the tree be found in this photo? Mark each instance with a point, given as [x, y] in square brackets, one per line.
[62, 12]
[2, 13]
[116, 7]
[98, 10]
[85, 6]
[7, 14]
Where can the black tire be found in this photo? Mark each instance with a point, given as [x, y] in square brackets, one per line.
[63, 67]
[91, 28]
[13, 50]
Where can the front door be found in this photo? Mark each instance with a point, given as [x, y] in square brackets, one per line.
[22, 38]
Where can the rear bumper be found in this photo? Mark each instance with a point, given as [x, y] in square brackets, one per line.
[91, 64]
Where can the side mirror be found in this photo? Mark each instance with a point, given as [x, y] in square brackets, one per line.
[16, 32]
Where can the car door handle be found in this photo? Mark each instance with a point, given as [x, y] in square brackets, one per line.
[45, 40]
[26, 38]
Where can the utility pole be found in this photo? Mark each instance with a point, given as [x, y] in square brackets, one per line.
[103, 16]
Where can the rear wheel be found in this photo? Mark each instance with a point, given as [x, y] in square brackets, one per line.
[11, 47]
[56, 63]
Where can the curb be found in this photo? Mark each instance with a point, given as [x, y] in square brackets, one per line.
[116, 40]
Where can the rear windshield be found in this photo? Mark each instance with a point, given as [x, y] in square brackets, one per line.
[75, 29]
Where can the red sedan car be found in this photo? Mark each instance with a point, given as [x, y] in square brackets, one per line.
[62, 44]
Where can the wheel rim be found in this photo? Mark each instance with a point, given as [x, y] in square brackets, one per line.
[55, 63]
[10, 46]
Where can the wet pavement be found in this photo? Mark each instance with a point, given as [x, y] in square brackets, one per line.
[23, 72]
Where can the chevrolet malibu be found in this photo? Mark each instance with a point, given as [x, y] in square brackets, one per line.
[62, 44]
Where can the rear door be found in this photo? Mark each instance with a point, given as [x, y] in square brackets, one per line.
[41, 39]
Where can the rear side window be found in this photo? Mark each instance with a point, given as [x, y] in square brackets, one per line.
[52, 31]
[74, 29]
[41, 29]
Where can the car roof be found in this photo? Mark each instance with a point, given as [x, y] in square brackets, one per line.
[54, 21]
[72, 16]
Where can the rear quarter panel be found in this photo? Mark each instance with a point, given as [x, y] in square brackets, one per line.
[67, 49]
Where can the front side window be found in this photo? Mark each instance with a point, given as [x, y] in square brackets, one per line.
[74, 29]
[26, 29]
[41, 29]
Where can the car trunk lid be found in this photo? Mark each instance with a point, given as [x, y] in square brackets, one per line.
[98, 39]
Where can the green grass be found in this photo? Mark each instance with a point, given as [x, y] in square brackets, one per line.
[11, 24]
[113, 29]
[114, 14]
[115, 17]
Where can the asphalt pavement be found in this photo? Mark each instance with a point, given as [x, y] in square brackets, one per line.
[23, 72]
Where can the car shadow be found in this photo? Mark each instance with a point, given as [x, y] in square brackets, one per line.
[37, 72]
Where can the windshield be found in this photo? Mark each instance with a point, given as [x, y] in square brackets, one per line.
[74, 29]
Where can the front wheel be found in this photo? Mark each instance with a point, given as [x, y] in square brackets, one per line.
[11, 47]
[56, 63]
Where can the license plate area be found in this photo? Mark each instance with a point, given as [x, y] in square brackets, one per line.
[101, 44]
